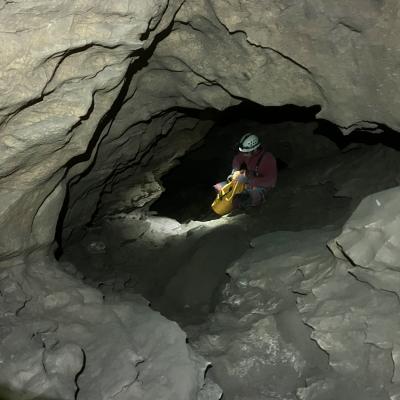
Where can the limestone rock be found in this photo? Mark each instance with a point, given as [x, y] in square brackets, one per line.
[288, 277]
[370, 240]
[256, 340]
[340, 56]
[61, 340]
[352, 304]
[62, 68]
[92, 100]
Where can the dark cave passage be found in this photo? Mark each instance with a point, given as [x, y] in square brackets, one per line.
[322, 177]
[293, 134]
[181, 258]
[188, 186]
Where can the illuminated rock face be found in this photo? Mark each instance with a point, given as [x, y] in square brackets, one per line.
[343, 54]
[342, 57]
[63, 69]
[63, 66]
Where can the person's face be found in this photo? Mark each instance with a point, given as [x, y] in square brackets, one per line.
[249, 154]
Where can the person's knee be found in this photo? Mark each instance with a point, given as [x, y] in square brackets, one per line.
[242, 200]
[257, 196]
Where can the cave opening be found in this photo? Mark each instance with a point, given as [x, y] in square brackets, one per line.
[176, 253]
[322, 175]
[293, 134]
[188, 186]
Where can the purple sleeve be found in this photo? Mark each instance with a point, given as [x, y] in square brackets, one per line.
[237, 162]
[267, 171]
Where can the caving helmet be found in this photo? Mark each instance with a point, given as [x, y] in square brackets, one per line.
[249, 142]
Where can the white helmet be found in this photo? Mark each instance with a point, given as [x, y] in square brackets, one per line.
[249, 142]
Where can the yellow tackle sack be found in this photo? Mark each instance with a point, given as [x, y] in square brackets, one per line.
[222, 205]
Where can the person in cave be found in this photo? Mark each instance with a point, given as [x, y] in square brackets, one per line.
[256, 168]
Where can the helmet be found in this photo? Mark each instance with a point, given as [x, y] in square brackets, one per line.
[249, 142]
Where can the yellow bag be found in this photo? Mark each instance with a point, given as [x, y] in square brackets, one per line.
[222, 205]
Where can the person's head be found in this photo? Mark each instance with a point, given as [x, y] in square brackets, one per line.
[249, 143]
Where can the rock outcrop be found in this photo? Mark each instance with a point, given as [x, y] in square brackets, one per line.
[289, 288]
[61, 340]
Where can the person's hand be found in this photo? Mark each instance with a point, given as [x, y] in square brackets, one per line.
[218, 187]
[236, 175]
[240, 176]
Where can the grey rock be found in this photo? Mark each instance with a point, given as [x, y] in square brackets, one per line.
[66, 342]
[63, 69]
[256, 340]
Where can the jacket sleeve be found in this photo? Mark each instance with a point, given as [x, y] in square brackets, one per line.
[267, 172]
[237, 162]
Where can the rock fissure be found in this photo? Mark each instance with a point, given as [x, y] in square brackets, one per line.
[350, 27]
[79, 374]
[392, 292]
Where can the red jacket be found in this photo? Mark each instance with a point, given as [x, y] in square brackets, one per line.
[266, 173]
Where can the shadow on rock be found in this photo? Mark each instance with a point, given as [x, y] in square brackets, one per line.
[6, 393]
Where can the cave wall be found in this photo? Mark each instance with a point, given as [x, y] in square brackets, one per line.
[126, 172]
[63, 67]
[340, 56]
[217, 54]
[82, 81]
[346, 51]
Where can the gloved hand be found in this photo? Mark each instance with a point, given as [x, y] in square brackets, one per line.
[236, 174]
[218, 186]
[231, 175]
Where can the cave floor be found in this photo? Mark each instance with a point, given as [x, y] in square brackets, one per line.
[180, 268]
